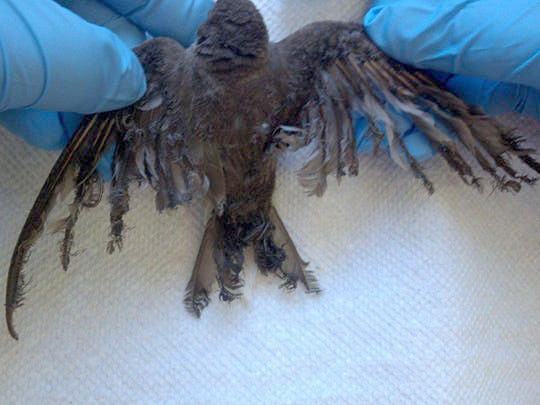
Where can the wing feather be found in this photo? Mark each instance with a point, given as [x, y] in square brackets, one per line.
[153, 144]
[333, 71]
[81, 153]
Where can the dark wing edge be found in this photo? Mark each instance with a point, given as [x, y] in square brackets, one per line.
[82, 153]
[152, 145]
[342, 73]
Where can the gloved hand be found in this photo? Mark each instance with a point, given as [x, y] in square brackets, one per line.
[489, 51]
[57, 56]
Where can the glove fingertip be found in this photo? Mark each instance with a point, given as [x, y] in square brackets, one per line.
[365, 142]
[199, 15]
[415, 142]
[374, 23]
[104, 166]
[46, 130]
[497, 97]
[70, 123]
[370, 18]
[126, 81]
[418, 146]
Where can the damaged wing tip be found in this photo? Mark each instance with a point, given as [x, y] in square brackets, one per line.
[194, 311]
[194, 305]
[312, 284]
[191, 308]
[313, 289]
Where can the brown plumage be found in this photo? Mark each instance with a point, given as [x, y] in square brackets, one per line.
[216, 116]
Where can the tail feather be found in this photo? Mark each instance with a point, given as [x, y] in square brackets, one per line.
[293, 268]
[204, 272]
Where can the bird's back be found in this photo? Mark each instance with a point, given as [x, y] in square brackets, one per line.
[240, 125]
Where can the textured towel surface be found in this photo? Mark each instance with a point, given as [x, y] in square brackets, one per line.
[426, 299]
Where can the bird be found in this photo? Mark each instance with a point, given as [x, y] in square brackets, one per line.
[217, 115]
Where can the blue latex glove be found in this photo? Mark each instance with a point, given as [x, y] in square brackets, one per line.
[74, 56]
[489, 49]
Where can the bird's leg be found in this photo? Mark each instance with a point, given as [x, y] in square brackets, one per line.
[275, 252]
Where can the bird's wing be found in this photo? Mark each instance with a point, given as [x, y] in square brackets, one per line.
[332, 71]
[152, 143]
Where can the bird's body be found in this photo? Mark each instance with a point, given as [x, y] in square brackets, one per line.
[215, 118]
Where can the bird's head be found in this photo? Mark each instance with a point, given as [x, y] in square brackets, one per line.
[233, 37]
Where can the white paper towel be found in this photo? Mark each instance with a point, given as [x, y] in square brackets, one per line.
[426, 299]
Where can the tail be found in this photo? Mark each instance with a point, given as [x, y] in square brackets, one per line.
[276, 252]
